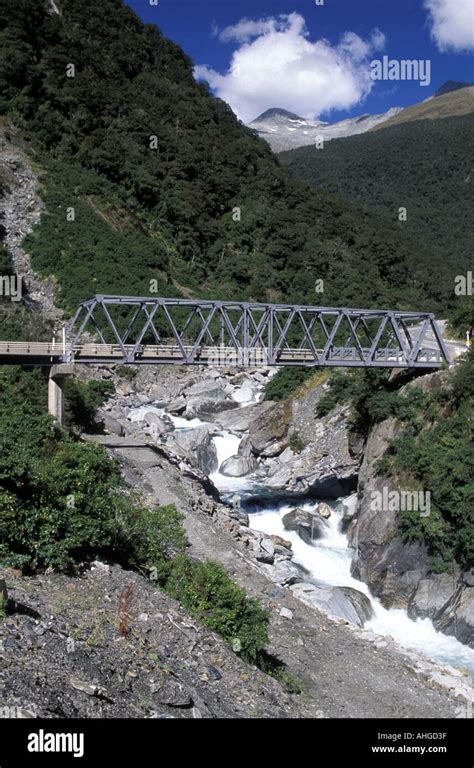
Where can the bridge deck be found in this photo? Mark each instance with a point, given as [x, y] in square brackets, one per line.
[44, 353]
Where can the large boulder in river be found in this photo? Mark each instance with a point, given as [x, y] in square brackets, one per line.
[432, 595]
[269, 430]
[335, 602]
[449, 603]
[361, 603]
[245, 447]
[160, 425]
[238, 466]
[196, 446]
[208, 388]
[308, 525]
[241, 419]
[323, 510]
[245, 393]
[457, 617]
[205, 399]
[176, 406]
[206, 409]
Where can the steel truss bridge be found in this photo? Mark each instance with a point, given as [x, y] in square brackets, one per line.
[144, 331]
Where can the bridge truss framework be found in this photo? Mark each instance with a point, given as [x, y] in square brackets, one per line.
[145, 330]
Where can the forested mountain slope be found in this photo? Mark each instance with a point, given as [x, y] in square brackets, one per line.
[147, 176]
[425, 167]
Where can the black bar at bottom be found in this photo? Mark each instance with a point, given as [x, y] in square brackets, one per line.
[154, 742]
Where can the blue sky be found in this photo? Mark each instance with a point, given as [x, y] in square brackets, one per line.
[315, 59]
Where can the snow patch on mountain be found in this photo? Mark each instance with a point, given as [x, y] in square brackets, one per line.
[284, 130]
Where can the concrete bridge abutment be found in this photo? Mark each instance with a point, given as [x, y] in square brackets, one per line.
[57, 376]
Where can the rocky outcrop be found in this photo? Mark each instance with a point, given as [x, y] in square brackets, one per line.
[205, 408]
[323, 510]
[360, 602]
[158, 425]
[196, 446]
[20, 212]
[343, 603]
[397, 572]
[390, 567]
[109, 423]
[240, 420]
[448, 602]
[457, 618]
[327, 465]
[177, 406]
[432, 594]
[269, 432]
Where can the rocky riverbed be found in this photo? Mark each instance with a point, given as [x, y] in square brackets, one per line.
[184, 418]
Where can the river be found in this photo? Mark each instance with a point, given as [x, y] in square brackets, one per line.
[328, 559]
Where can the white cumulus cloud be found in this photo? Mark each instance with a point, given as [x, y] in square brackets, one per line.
[452, 24]
[277, 65]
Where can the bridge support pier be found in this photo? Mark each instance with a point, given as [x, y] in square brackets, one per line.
[57, 377]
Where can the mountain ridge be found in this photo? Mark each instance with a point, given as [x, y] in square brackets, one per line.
[404, 165]
[284, 130]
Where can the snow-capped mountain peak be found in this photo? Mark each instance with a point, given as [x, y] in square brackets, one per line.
[285, 130]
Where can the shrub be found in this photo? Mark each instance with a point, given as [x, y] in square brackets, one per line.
[153, 538]
[82, 401]
[126, 372]
[207, 592]
[286, 381]
[296, 443]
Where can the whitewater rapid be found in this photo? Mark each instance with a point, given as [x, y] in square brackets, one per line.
[328, 559]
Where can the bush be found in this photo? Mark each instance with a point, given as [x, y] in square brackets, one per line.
[58, 501]
[374, 398]
[286, 381]
[153, 539]
[126, 372]
[59, 498]
[296, 443]
[82, 401]
[207, 592]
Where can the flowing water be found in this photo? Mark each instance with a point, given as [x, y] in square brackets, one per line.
[328, 559]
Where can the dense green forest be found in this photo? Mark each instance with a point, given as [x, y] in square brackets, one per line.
[424, 166]
[154, 169]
